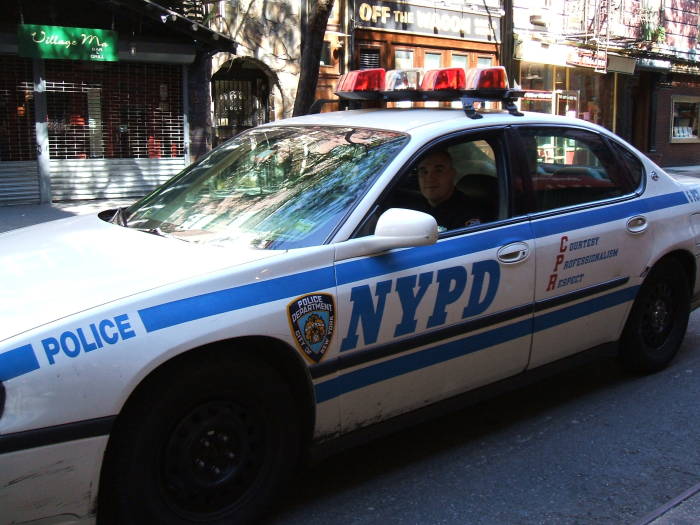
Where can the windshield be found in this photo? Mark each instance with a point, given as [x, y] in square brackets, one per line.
[273, 187]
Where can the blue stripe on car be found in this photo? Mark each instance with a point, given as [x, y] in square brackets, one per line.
[222, 301]
[348, 382]
[17, 362]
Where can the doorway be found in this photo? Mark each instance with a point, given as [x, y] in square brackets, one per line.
[242, 99]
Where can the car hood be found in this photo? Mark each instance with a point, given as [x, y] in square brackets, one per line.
[63, 267]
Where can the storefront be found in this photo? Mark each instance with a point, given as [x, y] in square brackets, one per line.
[88, 112]
[677, 126]
[403, 35]
[576, 82]
[83, 128]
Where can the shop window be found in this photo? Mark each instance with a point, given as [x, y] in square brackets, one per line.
[538, 101]
[115, 110]
[685, 114]
[403, 59]
[432, 61]
[460, 61]
[595, 96]
[369, 58]
[17, 132]
[484, 62]
[536, 77]
[326, 55]
[560, 78]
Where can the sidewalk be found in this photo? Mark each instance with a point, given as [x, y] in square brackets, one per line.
[12, 217]
[691, 171]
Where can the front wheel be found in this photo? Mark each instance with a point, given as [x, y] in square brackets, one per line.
[656, 325]
[207, 443]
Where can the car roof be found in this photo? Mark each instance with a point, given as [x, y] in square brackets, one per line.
[409, 120]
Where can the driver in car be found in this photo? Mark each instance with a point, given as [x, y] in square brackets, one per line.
[451, 208]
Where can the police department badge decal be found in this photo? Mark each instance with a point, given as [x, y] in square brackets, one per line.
[312, 321]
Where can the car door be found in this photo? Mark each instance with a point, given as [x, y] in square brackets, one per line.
[422, 324]
[592, 237]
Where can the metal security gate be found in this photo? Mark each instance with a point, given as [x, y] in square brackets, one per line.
[115, 129]
[242, 99]
[86, 179]
[19, 176]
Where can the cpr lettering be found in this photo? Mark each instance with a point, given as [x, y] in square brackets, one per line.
[96, 335]
[368, 308]
[551, 285]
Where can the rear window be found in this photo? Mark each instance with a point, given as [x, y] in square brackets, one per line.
[635, 168]
[569, 167]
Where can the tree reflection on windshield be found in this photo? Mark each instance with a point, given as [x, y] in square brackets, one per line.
[274, 188]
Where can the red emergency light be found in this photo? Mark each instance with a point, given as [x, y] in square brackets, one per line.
[362, 81]
[446, 84]
[444, 79]
[487, 78]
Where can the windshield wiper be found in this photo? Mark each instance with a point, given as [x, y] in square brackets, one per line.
[155, 231]
[119, 217]
[160, 233]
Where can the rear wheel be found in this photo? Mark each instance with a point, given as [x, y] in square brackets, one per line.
[656, 325]
[209, 443]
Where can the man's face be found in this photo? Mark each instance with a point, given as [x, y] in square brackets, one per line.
[436, 177]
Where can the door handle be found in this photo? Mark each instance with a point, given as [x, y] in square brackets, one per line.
[513, 252]
[637, 224]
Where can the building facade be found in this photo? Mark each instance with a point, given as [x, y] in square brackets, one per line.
[258, 82]
[628, 65]
[406, 35]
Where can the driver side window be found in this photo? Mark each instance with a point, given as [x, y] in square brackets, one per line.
[458, 183]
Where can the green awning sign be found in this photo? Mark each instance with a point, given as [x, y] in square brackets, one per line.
[68, 43]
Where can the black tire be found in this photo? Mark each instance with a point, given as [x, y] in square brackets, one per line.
[207, 443]
[656, 325]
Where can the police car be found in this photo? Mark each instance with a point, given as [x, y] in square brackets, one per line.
[321, 276]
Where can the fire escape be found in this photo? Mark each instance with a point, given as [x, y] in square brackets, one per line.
[596, 25]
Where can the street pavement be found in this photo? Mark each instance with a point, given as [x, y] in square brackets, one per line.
[684, 509]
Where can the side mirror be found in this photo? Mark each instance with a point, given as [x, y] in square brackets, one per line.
[396, 228]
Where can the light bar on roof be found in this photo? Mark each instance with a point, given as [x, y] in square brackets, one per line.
[446, 84]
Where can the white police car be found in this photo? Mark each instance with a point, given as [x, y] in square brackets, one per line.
[169, 363]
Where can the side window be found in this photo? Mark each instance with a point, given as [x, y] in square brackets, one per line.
[569, 167]
[635, 168]
[457, 183]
